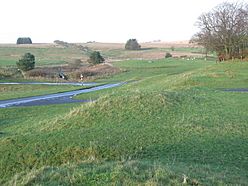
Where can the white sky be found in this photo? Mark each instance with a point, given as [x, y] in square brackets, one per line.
[100, 20]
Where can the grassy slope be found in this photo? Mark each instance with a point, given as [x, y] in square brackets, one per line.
[44, 56]
[172, 120]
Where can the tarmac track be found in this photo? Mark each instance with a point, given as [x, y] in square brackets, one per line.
[66, 97]
[236, 90]
[57, 98]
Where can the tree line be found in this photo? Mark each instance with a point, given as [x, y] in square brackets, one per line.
[224, 30]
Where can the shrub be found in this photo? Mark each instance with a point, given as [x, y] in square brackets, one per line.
[7, 72]
[95, 58]
[24, 40]
[61, 43]
[39, 73]
[168, 55]
[27, 62]
[132, 44]
[94, 72]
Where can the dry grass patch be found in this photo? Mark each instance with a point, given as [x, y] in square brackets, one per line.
[96, 71]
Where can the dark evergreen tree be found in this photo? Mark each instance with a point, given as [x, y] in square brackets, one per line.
[27, 62]
[95, 58]
[132, 44]
[24, 40]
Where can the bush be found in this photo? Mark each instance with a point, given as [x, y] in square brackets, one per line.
[168, 55]
[39, 73]
[94, 72]
[9, 72]
[132, 44]
[96, 58]
[24, 40]
[61, 43]
[27, 62]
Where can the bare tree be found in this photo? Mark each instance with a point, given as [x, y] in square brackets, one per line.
[224, 29]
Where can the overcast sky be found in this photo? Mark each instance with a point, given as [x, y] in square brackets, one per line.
[100, 20]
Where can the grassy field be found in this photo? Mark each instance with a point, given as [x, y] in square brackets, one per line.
[150, 53]
[45, 55]
[51, 59]
[51, 54]
[171, 119]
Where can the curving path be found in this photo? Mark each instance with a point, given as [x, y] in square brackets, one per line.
[57, 98]
[44, 83]
[236, 90]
